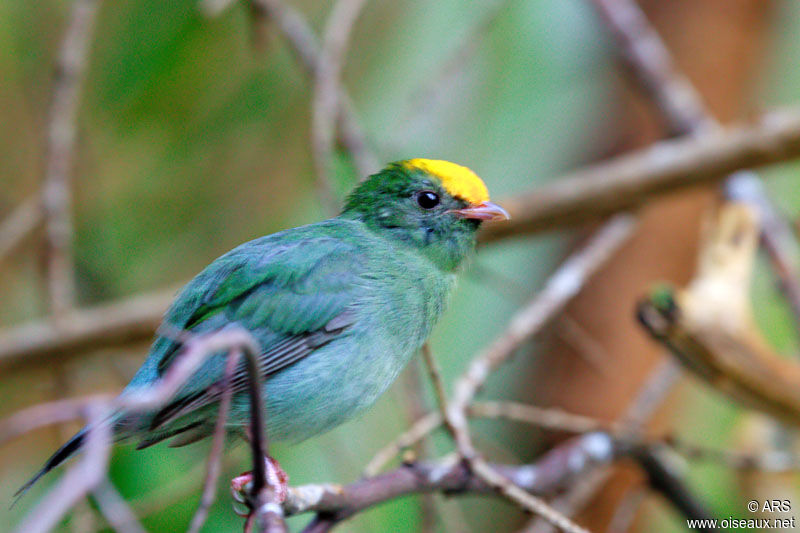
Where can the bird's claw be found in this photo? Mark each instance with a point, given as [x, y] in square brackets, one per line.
[241, 486]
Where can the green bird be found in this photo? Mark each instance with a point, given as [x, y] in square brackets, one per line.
[338, 307]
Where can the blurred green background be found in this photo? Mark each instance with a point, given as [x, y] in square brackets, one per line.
[194, 137]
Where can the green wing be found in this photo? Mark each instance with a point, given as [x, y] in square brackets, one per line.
[292, 296]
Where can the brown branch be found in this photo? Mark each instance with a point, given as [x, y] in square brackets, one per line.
[412, 396]
[452, 476]
[648, 58]
[630, 180]
[119, 323]
[22, 221]
[303, 40]
[61, 134]
[650, 62]
[78, 480]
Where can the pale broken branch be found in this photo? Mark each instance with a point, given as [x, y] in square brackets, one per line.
[709, 326]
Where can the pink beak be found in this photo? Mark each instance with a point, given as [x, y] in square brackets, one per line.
[484, 211]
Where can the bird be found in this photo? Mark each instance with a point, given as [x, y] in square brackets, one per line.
[338, 308]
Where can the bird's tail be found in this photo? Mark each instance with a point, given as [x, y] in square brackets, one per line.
[61, 455]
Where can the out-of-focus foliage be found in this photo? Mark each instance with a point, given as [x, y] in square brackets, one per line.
[194, 137]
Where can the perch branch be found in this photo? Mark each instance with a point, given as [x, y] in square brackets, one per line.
[451, 476]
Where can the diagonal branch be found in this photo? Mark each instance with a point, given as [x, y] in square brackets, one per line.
[303, 40]
[325, 104]
[628, 181]
[22, 221]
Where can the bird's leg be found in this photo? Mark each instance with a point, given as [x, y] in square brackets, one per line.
[277, 480]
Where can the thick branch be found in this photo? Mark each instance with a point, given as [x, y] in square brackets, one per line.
[630, 180]
[681, 106]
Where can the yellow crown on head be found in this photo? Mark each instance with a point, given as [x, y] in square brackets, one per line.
[458, 181]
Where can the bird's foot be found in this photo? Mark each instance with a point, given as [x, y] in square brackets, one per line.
[277, 479]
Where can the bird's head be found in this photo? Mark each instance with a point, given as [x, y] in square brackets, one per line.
[431, 204]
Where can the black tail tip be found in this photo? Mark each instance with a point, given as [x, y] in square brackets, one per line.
[61, 455]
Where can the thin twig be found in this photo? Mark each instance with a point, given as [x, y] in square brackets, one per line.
[647, 400]
[78, 480]
[559, 289]
[115, 509]
[412, 396]
[61, 135]
[217, 446]
[649, 60]
[302, 39]
[544, 417]
[325, 104]
[22, 221]
[575, 498]
[90, 471]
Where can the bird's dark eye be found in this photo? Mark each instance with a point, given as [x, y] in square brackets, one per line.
[427, 199]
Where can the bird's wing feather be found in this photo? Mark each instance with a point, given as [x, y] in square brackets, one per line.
[294, 297]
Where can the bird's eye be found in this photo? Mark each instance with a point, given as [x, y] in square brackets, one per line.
[427, 199]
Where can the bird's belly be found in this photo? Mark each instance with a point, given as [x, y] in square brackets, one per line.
[332, 385]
